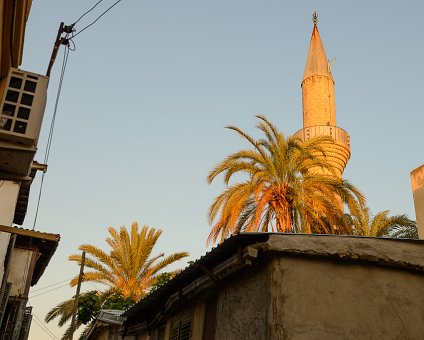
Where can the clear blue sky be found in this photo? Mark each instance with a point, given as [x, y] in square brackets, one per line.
[150, 87]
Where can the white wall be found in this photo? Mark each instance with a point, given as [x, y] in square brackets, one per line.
[8, 197]
[21, 268]
[4, 242]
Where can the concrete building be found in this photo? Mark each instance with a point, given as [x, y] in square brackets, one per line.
[417, 182]
[24, 254]
[290, 286]
[319, 107]
[27, 256]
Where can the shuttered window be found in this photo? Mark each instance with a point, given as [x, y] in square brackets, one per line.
[210, 320]
[181, 327]
[3, 300]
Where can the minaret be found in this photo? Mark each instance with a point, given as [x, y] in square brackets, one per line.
[319, 108]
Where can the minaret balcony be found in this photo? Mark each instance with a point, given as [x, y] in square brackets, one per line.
[339, 135]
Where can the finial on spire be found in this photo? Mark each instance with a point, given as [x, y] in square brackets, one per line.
[315, 18]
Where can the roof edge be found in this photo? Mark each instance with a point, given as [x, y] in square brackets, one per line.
[30, 233]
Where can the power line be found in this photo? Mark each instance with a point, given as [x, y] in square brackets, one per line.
[87, 12]
[41, 324]
[47, 291]
[53, 284]
[49, 140]
[89, 25]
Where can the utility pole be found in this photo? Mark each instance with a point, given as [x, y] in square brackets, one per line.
[59, 41]
[74, 313]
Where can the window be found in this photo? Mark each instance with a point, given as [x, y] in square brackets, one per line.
[181, 327]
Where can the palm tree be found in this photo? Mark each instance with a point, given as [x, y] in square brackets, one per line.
[128, 268]
[381, 224]
[64, 311]
[278, 192]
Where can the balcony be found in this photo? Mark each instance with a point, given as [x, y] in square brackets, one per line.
[339, 135]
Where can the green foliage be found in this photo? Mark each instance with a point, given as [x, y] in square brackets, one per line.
[88, 307]
[161, 279]
[118, 302]
[363, 223]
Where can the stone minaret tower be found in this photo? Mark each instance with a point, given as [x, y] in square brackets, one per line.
[319, 108]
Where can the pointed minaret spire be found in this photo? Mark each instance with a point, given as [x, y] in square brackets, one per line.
[319, 106]
[317, 62]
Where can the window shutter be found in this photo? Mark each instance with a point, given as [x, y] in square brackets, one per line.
[175, 332]
[181, 327]
[185, 330]
[3, 300]
[26, 324]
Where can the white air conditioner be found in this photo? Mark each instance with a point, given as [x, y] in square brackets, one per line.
[22, 106]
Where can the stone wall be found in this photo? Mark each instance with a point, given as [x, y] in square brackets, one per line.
[242, 307]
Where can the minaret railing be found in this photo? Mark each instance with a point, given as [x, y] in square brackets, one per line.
[339, 135]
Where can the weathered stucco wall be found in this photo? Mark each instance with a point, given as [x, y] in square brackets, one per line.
[242, 307]
[312, 287]
[318, 299]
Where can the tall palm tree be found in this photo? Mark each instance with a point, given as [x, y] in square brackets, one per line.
[278, 192]
[128, 267]
[381, 224]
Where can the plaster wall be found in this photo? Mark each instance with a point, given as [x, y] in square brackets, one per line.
[319, 107]
[242, 307]
[8, 197]
[417, 182]
[21, 269]
[4, 242]
[318, 299]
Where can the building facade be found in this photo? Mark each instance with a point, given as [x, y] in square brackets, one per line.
[290, 286]
[24, 254]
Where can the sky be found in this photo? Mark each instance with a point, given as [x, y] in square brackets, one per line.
[151, 86]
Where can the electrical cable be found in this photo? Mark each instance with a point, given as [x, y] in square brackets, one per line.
[96, 19]
[12, 29]
[86, 12]
[53, 284]
[50, 138]
[67, 41]
[47, 291]
[43, 326]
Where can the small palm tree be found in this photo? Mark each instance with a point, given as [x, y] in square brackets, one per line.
[280, 193]
[128, 268]
[381, 224]
[89, 304]
[63, 311]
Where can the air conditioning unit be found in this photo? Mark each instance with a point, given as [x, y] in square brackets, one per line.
[22, 107]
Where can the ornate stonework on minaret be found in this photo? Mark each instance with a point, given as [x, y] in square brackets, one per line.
[319, 108]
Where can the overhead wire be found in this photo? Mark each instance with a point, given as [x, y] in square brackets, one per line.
[48, 291]
[92, 23]
[83, 15]
[44, 327]
[52, 285]
[50, 137]
[67, 41]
